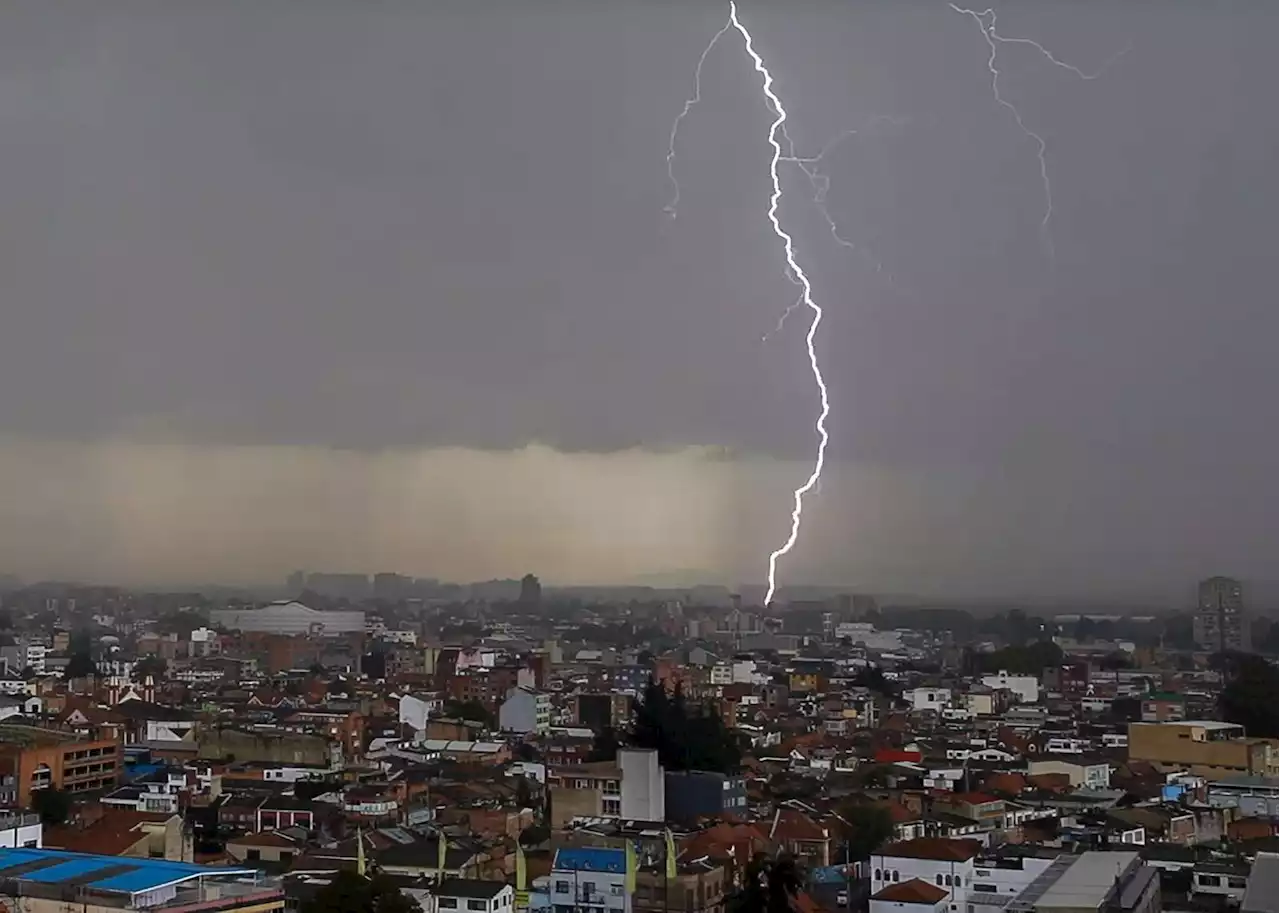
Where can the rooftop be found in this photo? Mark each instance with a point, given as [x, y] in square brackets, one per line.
[590, 860]
[1086, 884]
[110, 874]
[469, 887]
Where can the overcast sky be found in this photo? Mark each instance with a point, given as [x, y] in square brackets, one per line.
[273, 273]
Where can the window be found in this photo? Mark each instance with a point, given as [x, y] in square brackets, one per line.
[253, 855]
[588, 888]
[447, 903]
[879, 875]
[478, 905]
[895, 874]
[1237, 883]
[947, 881]
[937, 879]
[562, 887]
[1211, 881]
[615, 890]
[985, 888]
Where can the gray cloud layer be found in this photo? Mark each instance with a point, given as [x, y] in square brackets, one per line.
[273, 229]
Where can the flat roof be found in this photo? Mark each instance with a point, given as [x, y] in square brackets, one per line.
[1087, 882]
[1209, 724]
[116, 874]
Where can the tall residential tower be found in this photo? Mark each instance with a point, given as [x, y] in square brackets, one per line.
[1220, 622]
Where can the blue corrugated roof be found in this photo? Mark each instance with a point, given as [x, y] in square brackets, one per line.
[146, 874]
[591, 860]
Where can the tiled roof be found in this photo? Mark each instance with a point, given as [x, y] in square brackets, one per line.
[938, 848]
[913, 891]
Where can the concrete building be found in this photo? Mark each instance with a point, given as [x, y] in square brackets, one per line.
[467, 895]
[525, 711]
[21, 829]
[290, 618]
[589, 881]
[1090, 774]
[951, 876]
[1206, 748]
[643, 785]
[33, 759]
[1220, 623]
[1026, 688]
[632, 788]
[1255, 797]
[693, 793]
[927, 698]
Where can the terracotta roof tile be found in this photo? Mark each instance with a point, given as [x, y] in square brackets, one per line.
[913, 891]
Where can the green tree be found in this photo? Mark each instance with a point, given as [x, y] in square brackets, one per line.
[468, 710]
[685, 737]
[1029, 659]
[604, 746]
[1250, 697]
[81, 665]
[52, 805]
[865, 829]
[351, 892]
[769, 885]
[152, 665]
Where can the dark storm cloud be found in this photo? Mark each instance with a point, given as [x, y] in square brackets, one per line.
[410, 226]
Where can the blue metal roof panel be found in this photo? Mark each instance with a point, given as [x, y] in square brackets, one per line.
[147, 875]
[591, 860]
[70, 868]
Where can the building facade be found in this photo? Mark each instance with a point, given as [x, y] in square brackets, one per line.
[1220, 622]
[290, 618]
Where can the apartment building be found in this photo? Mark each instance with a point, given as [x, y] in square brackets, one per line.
[589, 881]
[632, 787]
[1206, 748]
[33, 759]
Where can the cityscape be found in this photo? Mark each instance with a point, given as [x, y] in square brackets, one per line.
[618, 456]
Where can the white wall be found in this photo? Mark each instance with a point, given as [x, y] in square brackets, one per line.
[928, 698]
[19, 830]
[643, 785]
[930, 871]
[1025, 687]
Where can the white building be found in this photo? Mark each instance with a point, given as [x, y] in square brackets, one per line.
[1089, 774]
[290, 618]
[525, 711]
[415, 710]
[951, 876]
[1026, 688]
[589, 880]
[21, 830]
[644, 789]
[466, 895]
[927, 698]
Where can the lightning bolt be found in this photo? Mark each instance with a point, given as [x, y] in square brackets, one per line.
[688, 106]
[797, 275]
[820, 183]
[986, 22]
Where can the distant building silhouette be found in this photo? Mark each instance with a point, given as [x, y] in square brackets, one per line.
[530, 591]
[1220, 622]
